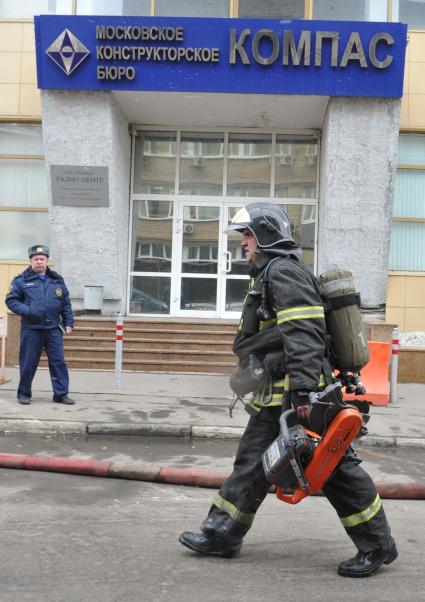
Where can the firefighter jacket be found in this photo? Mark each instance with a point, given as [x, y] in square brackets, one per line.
[42, 304]
[283, 323]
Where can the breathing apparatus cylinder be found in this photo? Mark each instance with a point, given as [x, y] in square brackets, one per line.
[344, 320]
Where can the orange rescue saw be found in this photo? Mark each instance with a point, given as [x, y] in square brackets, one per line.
[300, 462]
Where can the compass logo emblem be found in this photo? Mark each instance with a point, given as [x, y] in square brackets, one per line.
[67, 51]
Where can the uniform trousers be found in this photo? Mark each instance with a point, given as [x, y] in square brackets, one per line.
[350, 490]
[32, 343]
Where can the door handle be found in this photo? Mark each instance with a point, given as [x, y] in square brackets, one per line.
[228, 262]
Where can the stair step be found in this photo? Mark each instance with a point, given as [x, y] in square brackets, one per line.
[157, 344]
[141, 344]
[130, 333]
[151, 365]
[222, 325]
[187, 354]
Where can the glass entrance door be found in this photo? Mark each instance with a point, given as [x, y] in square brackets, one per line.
[235, 276]
[212, 271]
[199, 238]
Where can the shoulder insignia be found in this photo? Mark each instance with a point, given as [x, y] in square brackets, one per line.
[59, 292]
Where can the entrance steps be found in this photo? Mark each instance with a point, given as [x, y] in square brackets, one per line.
[157, 345]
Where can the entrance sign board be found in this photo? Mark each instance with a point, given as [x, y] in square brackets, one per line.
[79, 186]
[256, 56]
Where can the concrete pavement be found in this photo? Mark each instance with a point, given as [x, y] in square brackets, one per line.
[179, 405]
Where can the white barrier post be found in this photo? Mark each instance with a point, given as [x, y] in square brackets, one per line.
[394, 364]
[118, 348]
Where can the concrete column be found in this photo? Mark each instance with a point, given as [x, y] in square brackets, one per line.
[89, 245]
[358, 164]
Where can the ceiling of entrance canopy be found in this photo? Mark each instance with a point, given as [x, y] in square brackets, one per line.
[228, 110]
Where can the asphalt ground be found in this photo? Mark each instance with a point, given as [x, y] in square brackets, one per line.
[67, 538]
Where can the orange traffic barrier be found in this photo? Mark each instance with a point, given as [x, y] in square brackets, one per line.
[374, 375]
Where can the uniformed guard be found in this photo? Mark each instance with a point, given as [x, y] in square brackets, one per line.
[39, 295]
[281, 345]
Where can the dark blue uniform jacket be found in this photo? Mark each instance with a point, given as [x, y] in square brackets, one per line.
[41, 304]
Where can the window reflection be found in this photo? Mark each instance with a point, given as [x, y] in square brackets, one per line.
[235, 294]
[201, 164]
[199, 295]
[249, 165]
[303, 219]
[150, 295]
[155, 163]
[200, 239]
[295, 168]
[152, 236]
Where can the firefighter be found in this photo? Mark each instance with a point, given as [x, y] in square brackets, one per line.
[283, 327]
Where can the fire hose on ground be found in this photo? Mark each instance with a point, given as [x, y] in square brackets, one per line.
[166, 475]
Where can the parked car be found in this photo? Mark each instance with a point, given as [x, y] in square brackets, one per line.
[142, 303]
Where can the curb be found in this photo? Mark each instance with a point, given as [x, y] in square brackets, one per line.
[166, 475]
[41, 427]
[142, 430]
[26, 426]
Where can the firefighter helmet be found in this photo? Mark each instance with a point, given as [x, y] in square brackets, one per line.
[268, 222]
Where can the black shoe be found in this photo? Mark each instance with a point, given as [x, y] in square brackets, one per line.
[24, 400]
[366, 564]
[209, 545]
[65, 399]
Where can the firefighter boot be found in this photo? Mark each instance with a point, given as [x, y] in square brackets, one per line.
[209, 545]
[366, 564]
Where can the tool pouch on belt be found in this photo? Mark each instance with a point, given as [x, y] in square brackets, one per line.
[248, 379]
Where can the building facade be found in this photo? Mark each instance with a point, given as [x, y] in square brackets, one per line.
[184, 150]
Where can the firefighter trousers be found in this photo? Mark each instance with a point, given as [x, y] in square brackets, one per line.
[350, 490]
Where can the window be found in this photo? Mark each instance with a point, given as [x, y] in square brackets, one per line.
[155, 209]
[350, 10]
[295, 168]
[201, 164]
[200, 253]
[272, 9]
[408, 228]
[23, 190]
[153, 251]
[192, 8]
[201, 213]
[411, 12]
[22, 9]
[114, 7]
[213, 164]
[155, 163]
[249, 165]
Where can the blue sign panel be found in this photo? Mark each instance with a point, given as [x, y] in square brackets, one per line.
[256, 56]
